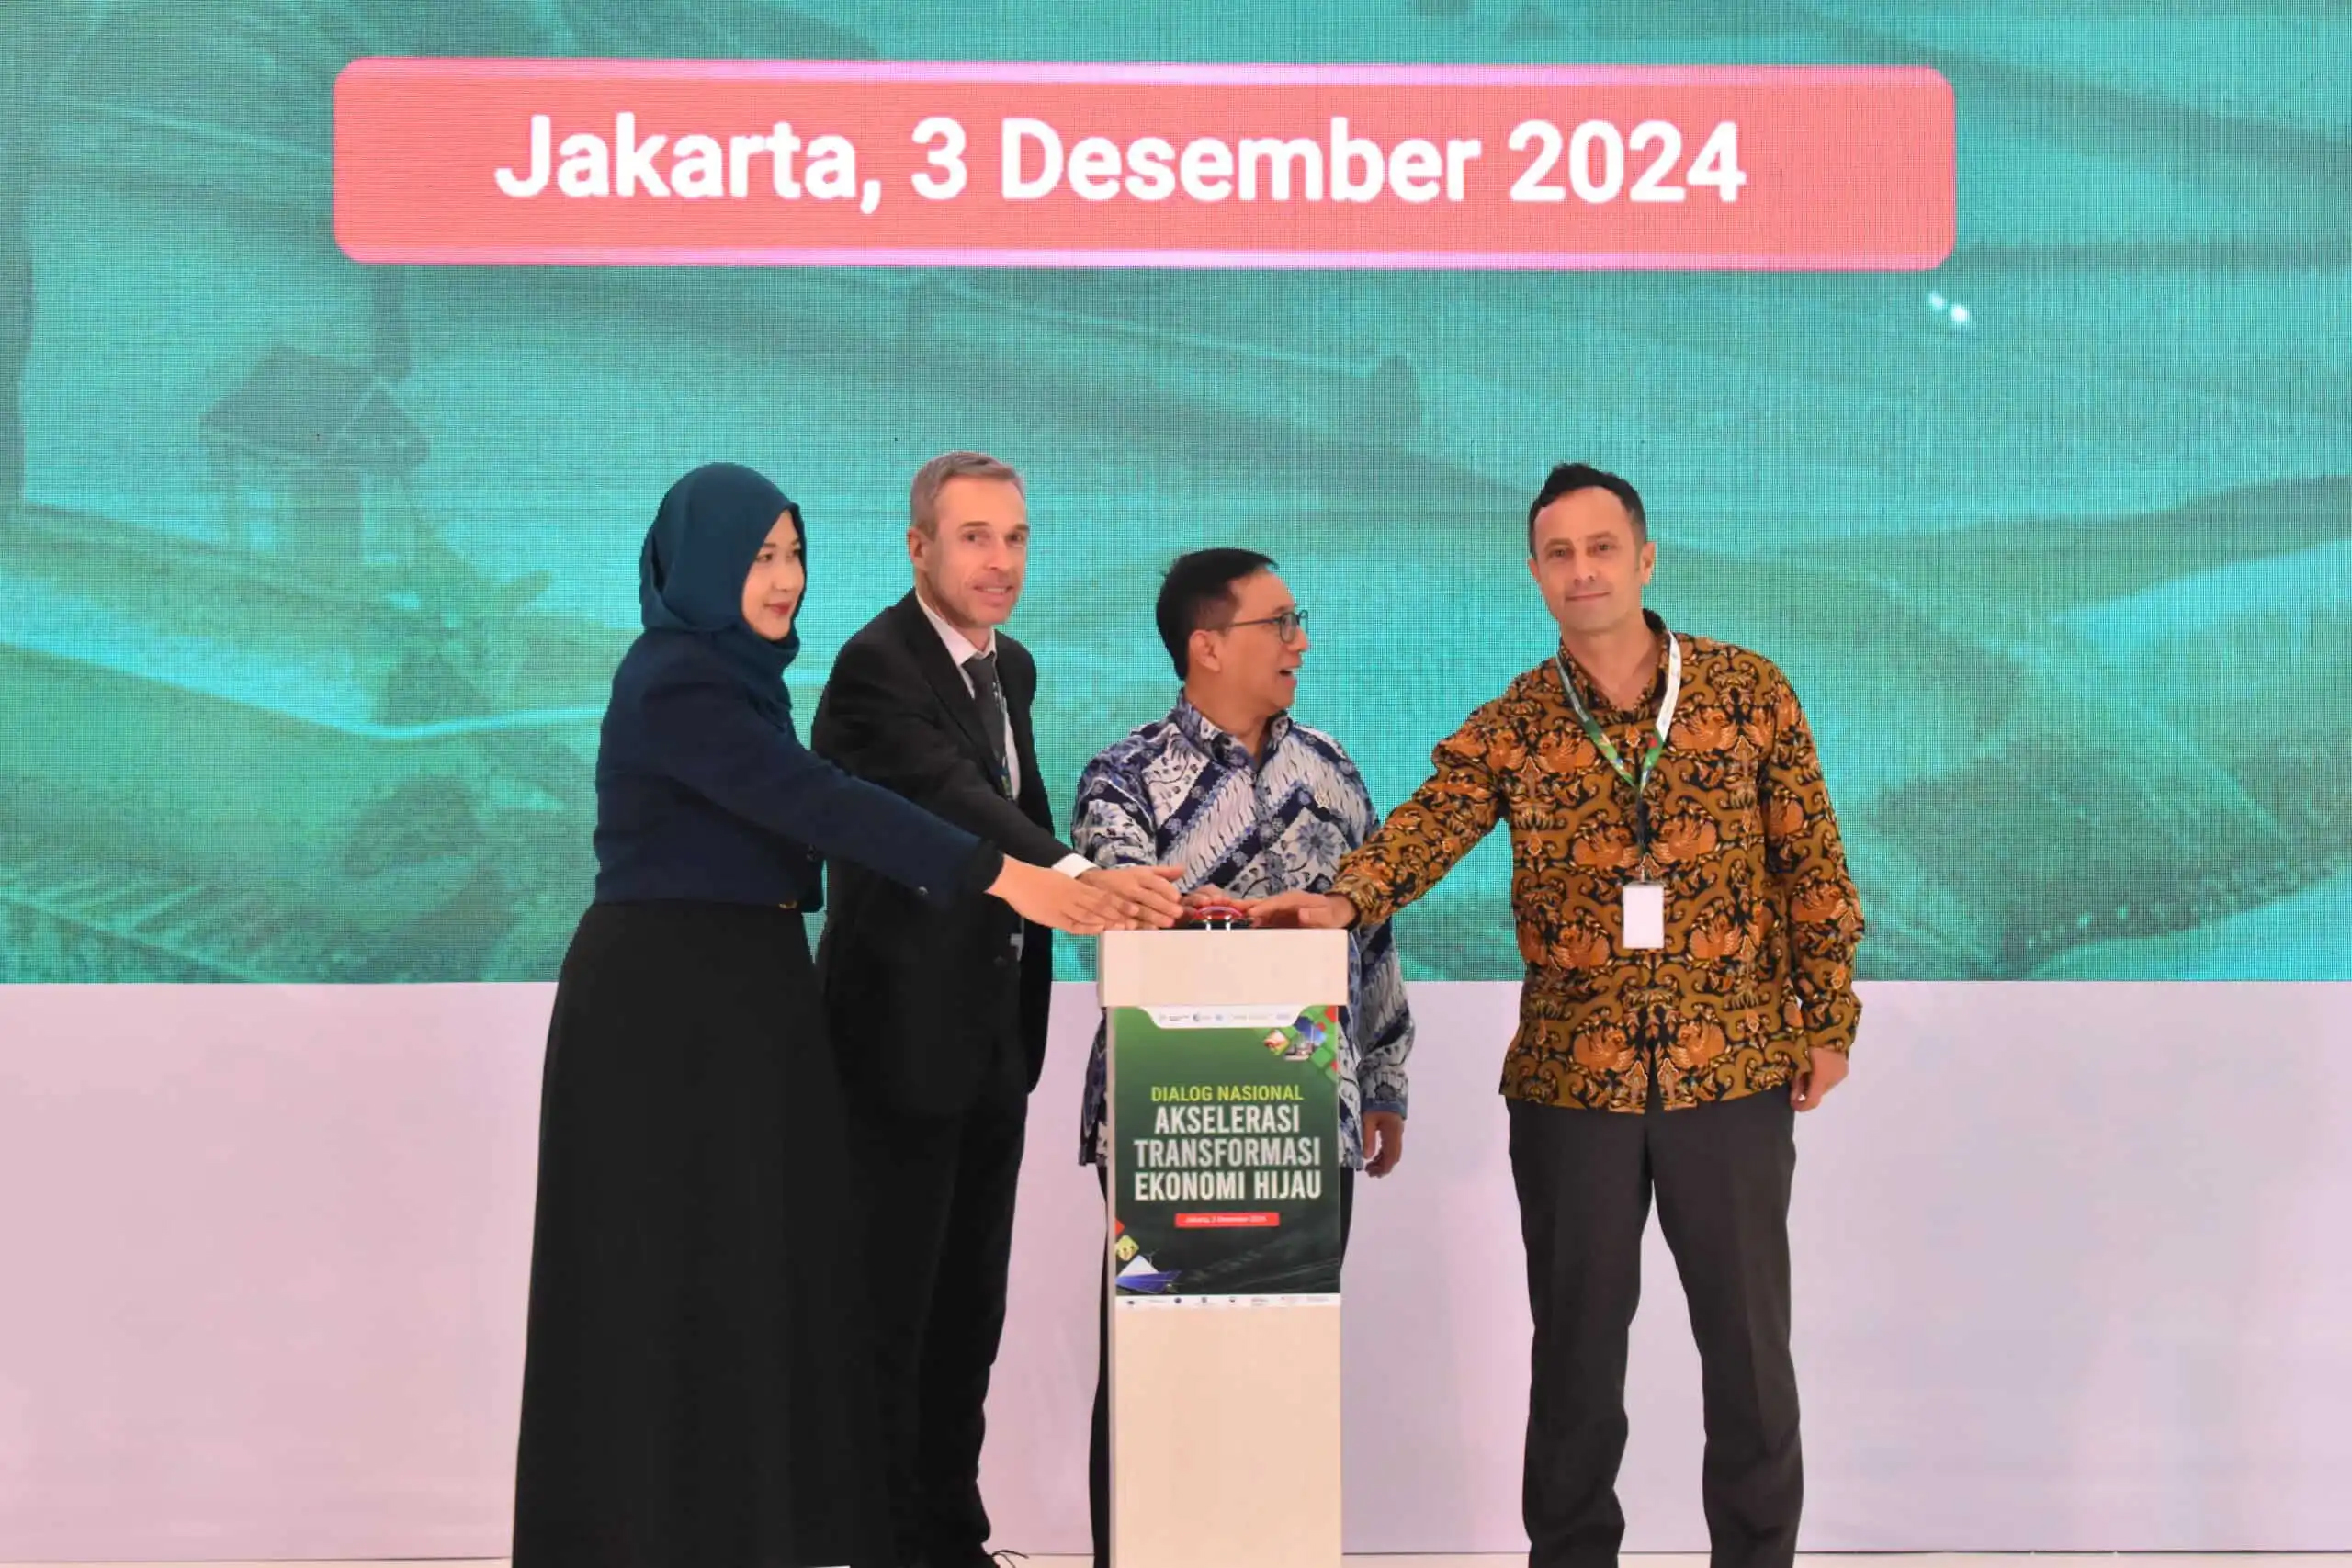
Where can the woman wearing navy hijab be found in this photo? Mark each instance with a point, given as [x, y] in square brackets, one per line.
[695, 1391]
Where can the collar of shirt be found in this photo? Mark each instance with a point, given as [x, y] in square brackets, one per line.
[1219, 747]
[1598, 700]
[959, 647]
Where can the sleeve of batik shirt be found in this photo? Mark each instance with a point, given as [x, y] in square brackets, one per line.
[1438, 824]
[1807, 860]
[1111, 826]
[1381, 1017]
[1112, 822]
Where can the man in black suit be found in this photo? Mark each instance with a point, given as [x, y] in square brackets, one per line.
[939, 1015]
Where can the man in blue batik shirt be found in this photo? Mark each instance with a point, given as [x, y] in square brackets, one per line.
[1250, 805]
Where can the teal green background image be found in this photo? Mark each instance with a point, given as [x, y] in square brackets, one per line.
[313, 575]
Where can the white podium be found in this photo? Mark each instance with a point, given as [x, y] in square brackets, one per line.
[1224, 1228]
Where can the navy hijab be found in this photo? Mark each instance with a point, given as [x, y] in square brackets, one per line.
[699, 550]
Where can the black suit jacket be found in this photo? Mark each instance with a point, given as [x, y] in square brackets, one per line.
[928, 1008]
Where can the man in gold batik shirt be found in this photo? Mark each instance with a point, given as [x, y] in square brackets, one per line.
[1689, 930]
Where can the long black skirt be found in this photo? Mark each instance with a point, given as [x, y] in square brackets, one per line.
[696, 1393]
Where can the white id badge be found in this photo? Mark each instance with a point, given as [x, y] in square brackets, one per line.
[1644, 911]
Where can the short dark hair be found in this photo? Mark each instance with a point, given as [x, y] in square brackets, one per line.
[1199, 585]
[1568, 478]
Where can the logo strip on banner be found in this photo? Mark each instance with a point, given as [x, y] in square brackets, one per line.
[1141, 1303]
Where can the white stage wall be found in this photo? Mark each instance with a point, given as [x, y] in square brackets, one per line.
[2072, 1274]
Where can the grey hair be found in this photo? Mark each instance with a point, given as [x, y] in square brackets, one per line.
[923, 502]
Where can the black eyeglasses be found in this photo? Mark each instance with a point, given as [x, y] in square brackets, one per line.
[1287, 625]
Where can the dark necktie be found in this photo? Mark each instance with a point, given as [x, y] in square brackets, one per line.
[989, 698]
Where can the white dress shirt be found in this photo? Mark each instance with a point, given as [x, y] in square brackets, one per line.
[959, 649]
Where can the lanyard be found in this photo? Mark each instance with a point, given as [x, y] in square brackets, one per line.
[1638, 782]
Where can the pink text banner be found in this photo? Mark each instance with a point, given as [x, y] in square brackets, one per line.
[685, 163]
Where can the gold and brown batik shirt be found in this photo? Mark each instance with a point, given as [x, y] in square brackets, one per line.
[1761, 919]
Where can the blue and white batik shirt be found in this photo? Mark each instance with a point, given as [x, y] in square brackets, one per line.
[1179, 791]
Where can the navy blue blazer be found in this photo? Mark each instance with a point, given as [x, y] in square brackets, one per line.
[704, 792]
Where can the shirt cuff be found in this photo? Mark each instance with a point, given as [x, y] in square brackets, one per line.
[1371, 903]
[1073, 865]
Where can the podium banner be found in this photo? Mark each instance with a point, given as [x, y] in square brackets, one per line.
[1225, 1153]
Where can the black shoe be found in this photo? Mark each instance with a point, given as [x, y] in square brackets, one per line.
[1002, 1558]
[973, 1559]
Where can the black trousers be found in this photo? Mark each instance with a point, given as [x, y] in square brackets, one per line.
[1722, 1173]
[1097, 1447]
[938, 1198]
